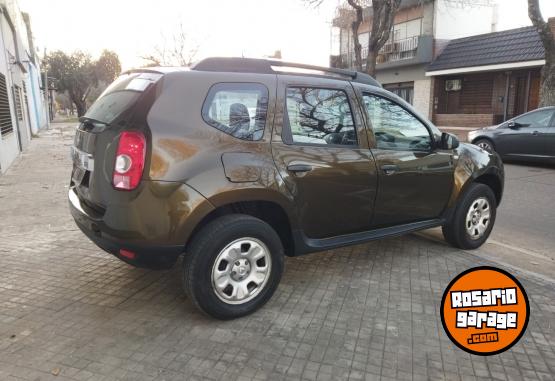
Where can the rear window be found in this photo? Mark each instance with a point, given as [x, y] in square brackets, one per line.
[238, 109]
[120, 96]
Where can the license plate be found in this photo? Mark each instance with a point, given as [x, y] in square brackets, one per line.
[77, 175]
[82, 160]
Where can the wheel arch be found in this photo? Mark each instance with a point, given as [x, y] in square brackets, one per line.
[489, 177]
[476, 166]
[494, 182]
[268, 211]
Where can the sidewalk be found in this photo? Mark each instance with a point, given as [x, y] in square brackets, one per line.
[69, 311]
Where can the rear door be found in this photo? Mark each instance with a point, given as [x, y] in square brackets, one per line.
[415, 178]
[528, 136]
[321, 149]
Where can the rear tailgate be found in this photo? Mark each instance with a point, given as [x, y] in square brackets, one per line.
[122, 106]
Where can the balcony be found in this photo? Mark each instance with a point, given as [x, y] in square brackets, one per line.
[398, 50]
[410, 51]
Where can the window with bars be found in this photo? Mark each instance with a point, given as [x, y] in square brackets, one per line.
[18, 105]
[6, 126]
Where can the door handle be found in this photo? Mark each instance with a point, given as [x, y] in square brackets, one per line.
[536, 133]
[299, 168]
[389, 169]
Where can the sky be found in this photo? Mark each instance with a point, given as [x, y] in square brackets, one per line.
[250, 28]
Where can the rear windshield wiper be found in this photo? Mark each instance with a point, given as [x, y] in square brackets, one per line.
[86, 119]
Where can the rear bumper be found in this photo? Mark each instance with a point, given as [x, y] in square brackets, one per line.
[156, 232]
[151, 257]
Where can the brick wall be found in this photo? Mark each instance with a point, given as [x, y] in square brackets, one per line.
[464, 120]
[551, 22]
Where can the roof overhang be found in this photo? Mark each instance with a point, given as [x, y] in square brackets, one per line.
[473, 69]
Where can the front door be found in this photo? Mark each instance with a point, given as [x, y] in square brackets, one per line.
[322, 153]
[525, 135]
[415, 179]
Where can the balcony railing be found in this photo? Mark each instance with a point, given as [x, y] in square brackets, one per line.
[392, 51]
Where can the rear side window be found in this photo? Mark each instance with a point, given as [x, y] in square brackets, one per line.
[238, 109]
[320, 116]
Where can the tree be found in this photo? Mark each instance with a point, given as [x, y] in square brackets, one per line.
[383, 14]
[77, 74]
[180, 51]
[108, 66]
[382, 21]
[547, 86]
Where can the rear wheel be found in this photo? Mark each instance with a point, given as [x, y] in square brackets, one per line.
[472, 222]
[233, 266]
[485, 144]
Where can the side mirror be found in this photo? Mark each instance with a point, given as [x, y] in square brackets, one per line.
[448, 141]
[513, 125]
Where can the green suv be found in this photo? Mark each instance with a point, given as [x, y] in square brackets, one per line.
[236, 162]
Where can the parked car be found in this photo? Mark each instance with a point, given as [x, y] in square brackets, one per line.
[529, 136]
[171, 161]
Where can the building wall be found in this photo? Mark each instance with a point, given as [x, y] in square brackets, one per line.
[423, 97]
[455, 20]
[484, 98]
[15, 61]
[404, 74]
[14, 77]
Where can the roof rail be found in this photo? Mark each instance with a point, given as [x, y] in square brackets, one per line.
[156, 70]
[267, 65]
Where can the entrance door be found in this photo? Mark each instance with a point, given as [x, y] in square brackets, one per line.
[323, 156]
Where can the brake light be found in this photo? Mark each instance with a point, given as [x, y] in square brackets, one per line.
[130, 160]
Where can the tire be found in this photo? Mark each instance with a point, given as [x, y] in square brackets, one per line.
[485, 144]
[228, 249]
[476, 198]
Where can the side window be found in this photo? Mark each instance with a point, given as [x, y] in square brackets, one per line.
[538, 119]
[238, 109]
[394, 127]
[320, 116]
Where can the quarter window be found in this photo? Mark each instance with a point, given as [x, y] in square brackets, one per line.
[394, 127]
[320, 116]
[238, 109]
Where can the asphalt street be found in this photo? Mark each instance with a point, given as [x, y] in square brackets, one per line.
[524, 232]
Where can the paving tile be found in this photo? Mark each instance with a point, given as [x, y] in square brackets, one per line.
[368, 312]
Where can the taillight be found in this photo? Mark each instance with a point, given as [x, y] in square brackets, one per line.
[130, 160]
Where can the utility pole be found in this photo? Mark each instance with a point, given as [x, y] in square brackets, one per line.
[46, 92]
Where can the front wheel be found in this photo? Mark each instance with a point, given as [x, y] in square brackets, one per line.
[233, 266]
[485, 144]
[472, 222]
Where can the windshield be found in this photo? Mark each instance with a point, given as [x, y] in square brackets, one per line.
[120, 96]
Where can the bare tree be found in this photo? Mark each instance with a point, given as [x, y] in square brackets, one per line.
[382, 21]
[383, 16]
[178, 50]
[547, 87]
[357, 6]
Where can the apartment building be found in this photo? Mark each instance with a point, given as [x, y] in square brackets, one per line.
[422, 28]
[22, 111]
